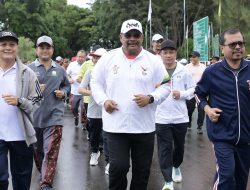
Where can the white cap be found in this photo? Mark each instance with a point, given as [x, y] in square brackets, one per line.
[59, 58]
[99, 52]
[131, 24]
[44, 39]
[183, 61]
[157, 37]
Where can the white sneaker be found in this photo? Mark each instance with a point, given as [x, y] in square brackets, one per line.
[107, 169]
[168, 186]
[94, 158]
[176, 175]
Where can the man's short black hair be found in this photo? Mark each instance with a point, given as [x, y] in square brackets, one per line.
[228, 31]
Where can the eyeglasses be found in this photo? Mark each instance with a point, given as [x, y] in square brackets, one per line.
[135, 35]
[234, 44]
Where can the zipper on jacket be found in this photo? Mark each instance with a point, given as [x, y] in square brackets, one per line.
[238, 101]
[22, 78]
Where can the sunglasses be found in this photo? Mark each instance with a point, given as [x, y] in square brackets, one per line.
[159, 41]
[234, 44]
[135, 35]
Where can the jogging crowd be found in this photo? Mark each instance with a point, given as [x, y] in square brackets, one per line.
[124, 98]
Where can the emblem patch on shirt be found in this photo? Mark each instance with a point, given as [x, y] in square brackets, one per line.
[115, 69]
[53, 73]
[144, 70]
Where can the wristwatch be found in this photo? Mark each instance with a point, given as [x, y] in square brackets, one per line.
[151, 99]
[19, 102]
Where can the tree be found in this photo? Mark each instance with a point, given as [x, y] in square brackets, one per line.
[26, 50]
[234, 14]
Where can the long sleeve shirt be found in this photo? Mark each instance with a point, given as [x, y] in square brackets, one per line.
[117, 78]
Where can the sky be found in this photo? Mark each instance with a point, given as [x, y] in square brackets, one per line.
[80, 3]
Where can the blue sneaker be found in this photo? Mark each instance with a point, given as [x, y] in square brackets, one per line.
[168, 186]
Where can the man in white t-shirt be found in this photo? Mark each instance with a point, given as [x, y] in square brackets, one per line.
[124, 81]
[72, 72]
[196, 69]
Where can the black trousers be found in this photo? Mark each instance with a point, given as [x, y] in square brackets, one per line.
[170, 141]
[141, 147]
[105, 146]
[21, 164]
[95, 132]
[201, 113]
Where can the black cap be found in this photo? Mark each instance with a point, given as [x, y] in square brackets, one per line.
[96, 47]
[8, 34]
[168, 44]
[195, 54]
[216, 57]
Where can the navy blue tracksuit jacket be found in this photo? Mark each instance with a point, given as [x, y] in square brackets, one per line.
[221, 87]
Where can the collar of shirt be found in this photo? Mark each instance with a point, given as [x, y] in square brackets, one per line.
[11, 68]
[37, 63]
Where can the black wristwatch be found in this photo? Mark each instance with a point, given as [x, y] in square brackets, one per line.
[19, 102]
[151, 99]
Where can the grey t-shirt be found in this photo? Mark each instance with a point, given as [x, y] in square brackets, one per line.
[171, 71]
[94, 110]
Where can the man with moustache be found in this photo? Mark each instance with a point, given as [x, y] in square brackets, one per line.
[124, 82]
[48, 119]
[19, 98]
[224, 94]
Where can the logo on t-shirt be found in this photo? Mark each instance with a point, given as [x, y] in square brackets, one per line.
[115, 69]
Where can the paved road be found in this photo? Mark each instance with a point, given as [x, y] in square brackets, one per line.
[74, 172]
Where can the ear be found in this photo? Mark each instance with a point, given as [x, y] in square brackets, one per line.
[120, 36]
[222, 48]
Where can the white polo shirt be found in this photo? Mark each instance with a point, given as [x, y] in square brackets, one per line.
[10, 129]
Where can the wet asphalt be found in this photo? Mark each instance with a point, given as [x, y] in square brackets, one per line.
[75, 173]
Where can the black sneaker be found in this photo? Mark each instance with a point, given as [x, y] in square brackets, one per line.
[76, 121]
[199, 131]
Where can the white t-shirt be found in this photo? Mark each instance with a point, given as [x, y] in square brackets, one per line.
[196, 71]
[10, 129]
[73, 71]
